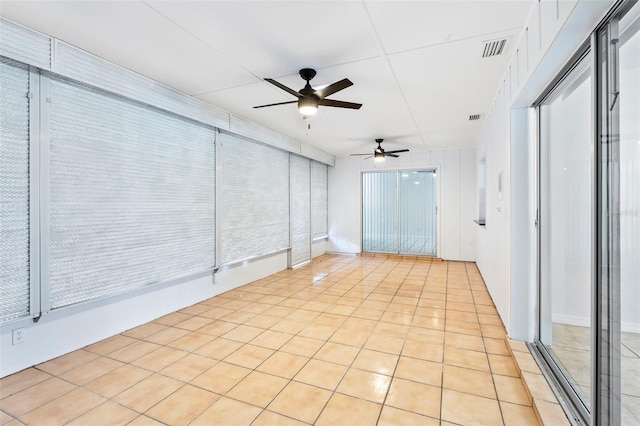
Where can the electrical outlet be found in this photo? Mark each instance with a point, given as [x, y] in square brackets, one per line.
[18, 336]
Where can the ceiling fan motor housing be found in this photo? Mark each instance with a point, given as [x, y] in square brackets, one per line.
[379, 153]
[307, 73]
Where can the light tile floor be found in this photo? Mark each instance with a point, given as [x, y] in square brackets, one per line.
[342, 341]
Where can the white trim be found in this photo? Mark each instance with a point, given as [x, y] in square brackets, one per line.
[71, 62]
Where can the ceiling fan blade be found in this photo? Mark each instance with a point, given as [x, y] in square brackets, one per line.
[396, 151]
[386, 154]
[333, 88]
[339, 104]
[361, 154]
[279, 103]
[283, 87]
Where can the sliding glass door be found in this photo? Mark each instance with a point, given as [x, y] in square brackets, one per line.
[619, 211]
[417, 212]
[589, 231]
[379, 212]
[399, 212]
[566, 204]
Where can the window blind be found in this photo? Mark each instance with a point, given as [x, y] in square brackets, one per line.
[300, 210]
[319, 191]
[14, 190]
[379, 212]
[132, 195]
[254, 198]
[417, 222]
[25, 45]
[399, 212]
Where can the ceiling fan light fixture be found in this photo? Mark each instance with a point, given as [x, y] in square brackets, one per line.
[379, 154]
[307, 106]
[309, 98]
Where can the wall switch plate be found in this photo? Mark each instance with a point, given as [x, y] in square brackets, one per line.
[18, 336]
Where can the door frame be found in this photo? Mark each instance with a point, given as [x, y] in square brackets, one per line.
[437, 169]
[605, 402]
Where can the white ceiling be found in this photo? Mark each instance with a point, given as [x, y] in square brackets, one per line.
[416, 65]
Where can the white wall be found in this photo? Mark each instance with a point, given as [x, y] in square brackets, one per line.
[72, 328]
[506, 246]
[318, 248]
[457, 206]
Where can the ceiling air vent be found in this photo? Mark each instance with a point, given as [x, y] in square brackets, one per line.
[494, 47]
[474, 117]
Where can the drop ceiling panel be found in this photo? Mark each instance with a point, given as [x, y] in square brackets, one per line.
[275, 39]
[426, 23]
[442, 98]
[416, 65]
[134, 36]
[284, 119]
[383, 112]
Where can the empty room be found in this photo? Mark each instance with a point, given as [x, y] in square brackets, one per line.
[329, 212]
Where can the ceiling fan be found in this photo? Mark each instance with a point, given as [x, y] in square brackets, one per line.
[379, 153]
[309, 98]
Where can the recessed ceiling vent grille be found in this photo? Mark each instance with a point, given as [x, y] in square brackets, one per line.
[494, 47]
[474, 117]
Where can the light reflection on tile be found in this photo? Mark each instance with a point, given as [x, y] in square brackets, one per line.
[344, 340]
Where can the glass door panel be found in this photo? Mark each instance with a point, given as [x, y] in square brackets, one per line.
[629, 127]
[417, 212]
[379, 212]
[399, 212]
[566, 205]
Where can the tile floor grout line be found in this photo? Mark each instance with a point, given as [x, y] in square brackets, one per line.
[292, 378]
[444, 340]
[399, 285]
[394, 372]
[495, 389]
[350, 366]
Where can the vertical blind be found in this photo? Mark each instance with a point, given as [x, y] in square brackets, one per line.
[254, 199]
[399, 212]
[379, 212]
[319, 199]
[14, 190]
[300, 210]
[417, 219]
[132, 195]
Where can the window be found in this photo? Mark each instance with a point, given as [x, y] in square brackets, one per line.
[124, 193]
[14, 190]
[300, 210]
[132, 195]
[254, 195]
[319, 200]
[106, 187]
